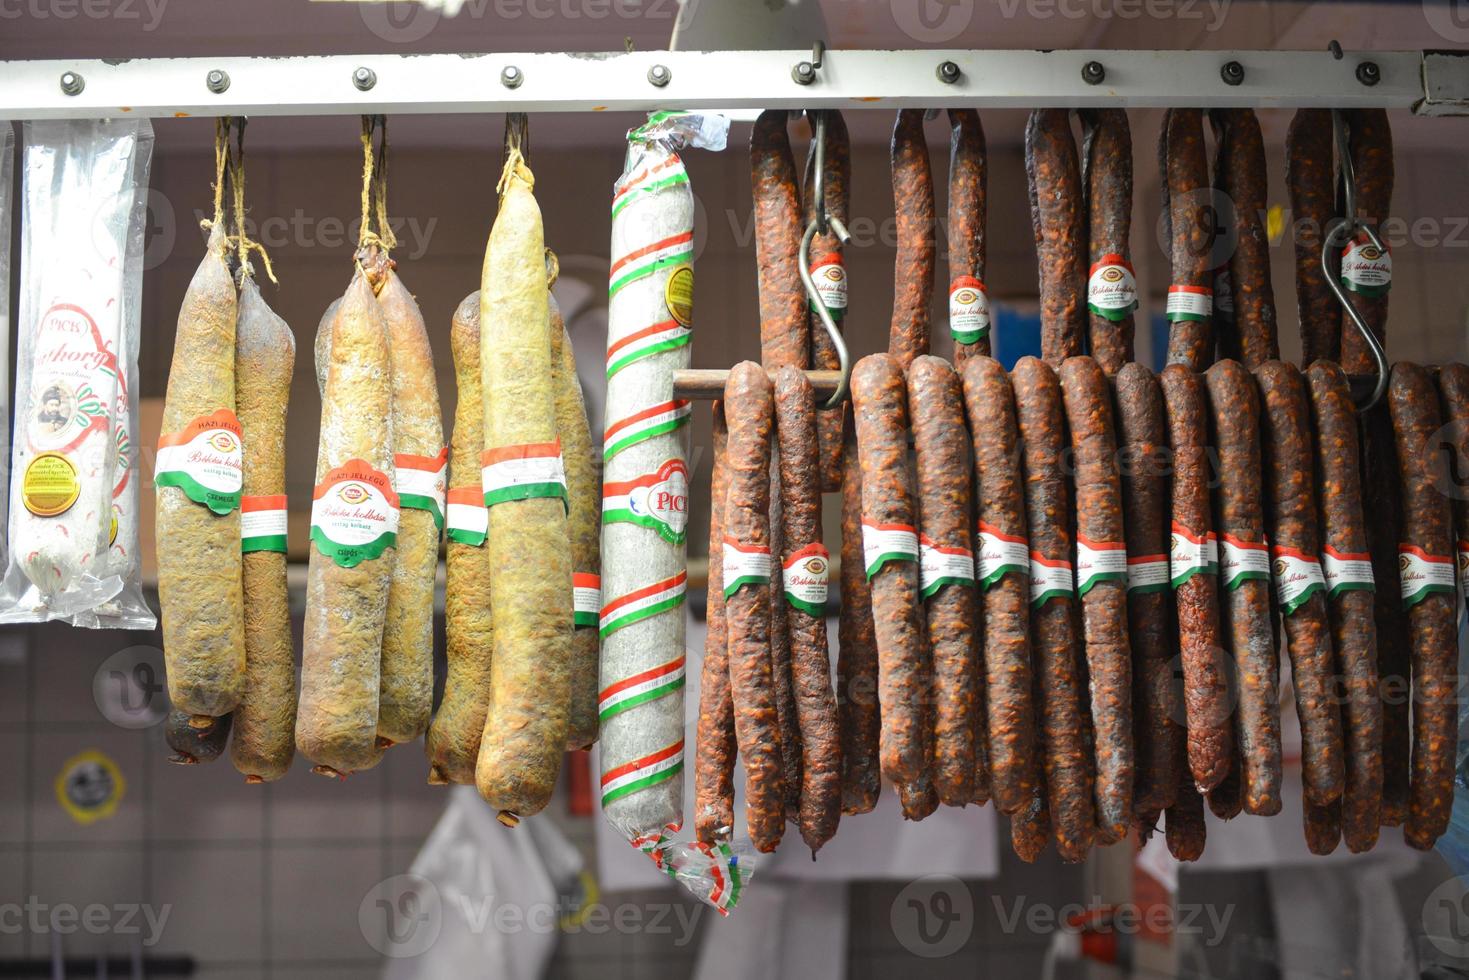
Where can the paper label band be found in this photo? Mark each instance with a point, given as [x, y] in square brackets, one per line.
[663, 336]
[1148, 573]
[653, 421]
[1000, 554]
[1364, 269]
[1345, 571]
[642, 603]
[1189, 303]
[882, 543]
[1421, 574]
[354, 513]
[1049, 578]
[1298, 577]
[422, 482]
[263, 523]
[468, 518]
[830, 277]
[969, 310]
[523, 472]
[939, 566]
[804, 579]
[640, 688]
[1242, 561]
[1099, 561]
[658, 501]
[1111, 288]
[586, 599]
[1191, 554]
[744, 564]
[205, 459]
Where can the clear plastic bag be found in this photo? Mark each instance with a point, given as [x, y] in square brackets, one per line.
[76, 361]
[7, 185]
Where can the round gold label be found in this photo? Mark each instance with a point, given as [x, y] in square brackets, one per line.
[50, 485]
[678, 294]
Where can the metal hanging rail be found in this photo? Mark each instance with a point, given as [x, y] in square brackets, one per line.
[1430, 83]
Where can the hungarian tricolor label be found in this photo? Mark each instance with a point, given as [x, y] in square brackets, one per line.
[1148, 573]
[354, 513]
[669, 172]
[1242, 561]
[641, 773]
[804, 578]
[1366, 269]
[205, 460]
[1111, 289]
[939, 566]
[744, 564]
[523, 472]
[1189, 303]
[1422, 574]
[1191, 554]
[1049, 578]
[830, 278]
[1297, 575]
[662, 336]
[1346, 570]
[1099, 561]
[586, 599]
[640, 688]
[422, 482]
[658, 501]
[640, 426]
[263, 523]
[639, 604]
[969, 310]
[882, 543]
[999, 555]
[648, 259]
[468, 517]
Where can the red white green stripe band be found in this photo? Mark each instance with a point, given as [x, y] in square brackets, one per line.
[652, 421]
[658, 501]
[882, 543]
[1346, 571]
[650, 770]
[804, 578]
[1421, 574]
[969, 310]
[1147, 573]
[523, 472]
[1365, 270]
[640, 688]
[643, 262]
[467, 516]
[1189, 303]
[1297, 575]
[744, 564]
[1000, 554]
[664, 336]
[939, 566]
[829, 276]
[650, 180]
[263, 523]
[1242, 561]
[586, 599]
[354, 513]
[422, 482]
[1099, 561]
[1111, 288]
[205, 460]
[639, 604]
[1050, 578]
[1191, 554]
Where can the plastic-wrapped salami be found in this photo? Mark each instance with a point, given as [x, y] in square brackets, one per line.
[644, 561]
[81, 266]
[7, 158]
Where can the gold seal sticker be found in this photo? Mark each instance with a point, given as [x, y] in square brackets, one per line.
[678, 294]
[50, 485]
[89, 787]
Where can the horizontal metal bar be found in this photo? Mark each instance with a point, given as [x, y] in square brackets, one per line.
[436, 83]
[709, 384]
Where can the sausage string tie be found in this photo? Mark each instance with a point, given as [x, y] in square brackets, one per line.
[237, 178]
[375, 187]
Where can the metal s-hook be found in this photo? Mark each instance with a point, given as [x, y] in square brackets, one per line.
[1340, 234]
[820, 222]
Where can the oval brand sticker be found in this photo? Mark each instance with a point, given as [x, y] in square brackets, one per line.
[678, 294]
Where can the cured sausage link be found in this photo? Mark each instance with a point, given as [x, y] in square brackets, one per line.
[1111, 289]
[1053, 621]
[784, 333]
[1101, 577]
[969, 318]
[1142, 432]
[1426, 567]
[857, 705]
[1004, 576]
[914, 267]
[714, 753]
[826, 257]
[1370, 146]
[1056, 217]
[1308, 176]
[1190, 234]
[890, 547]
[1243, 182]
[1349, 599]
